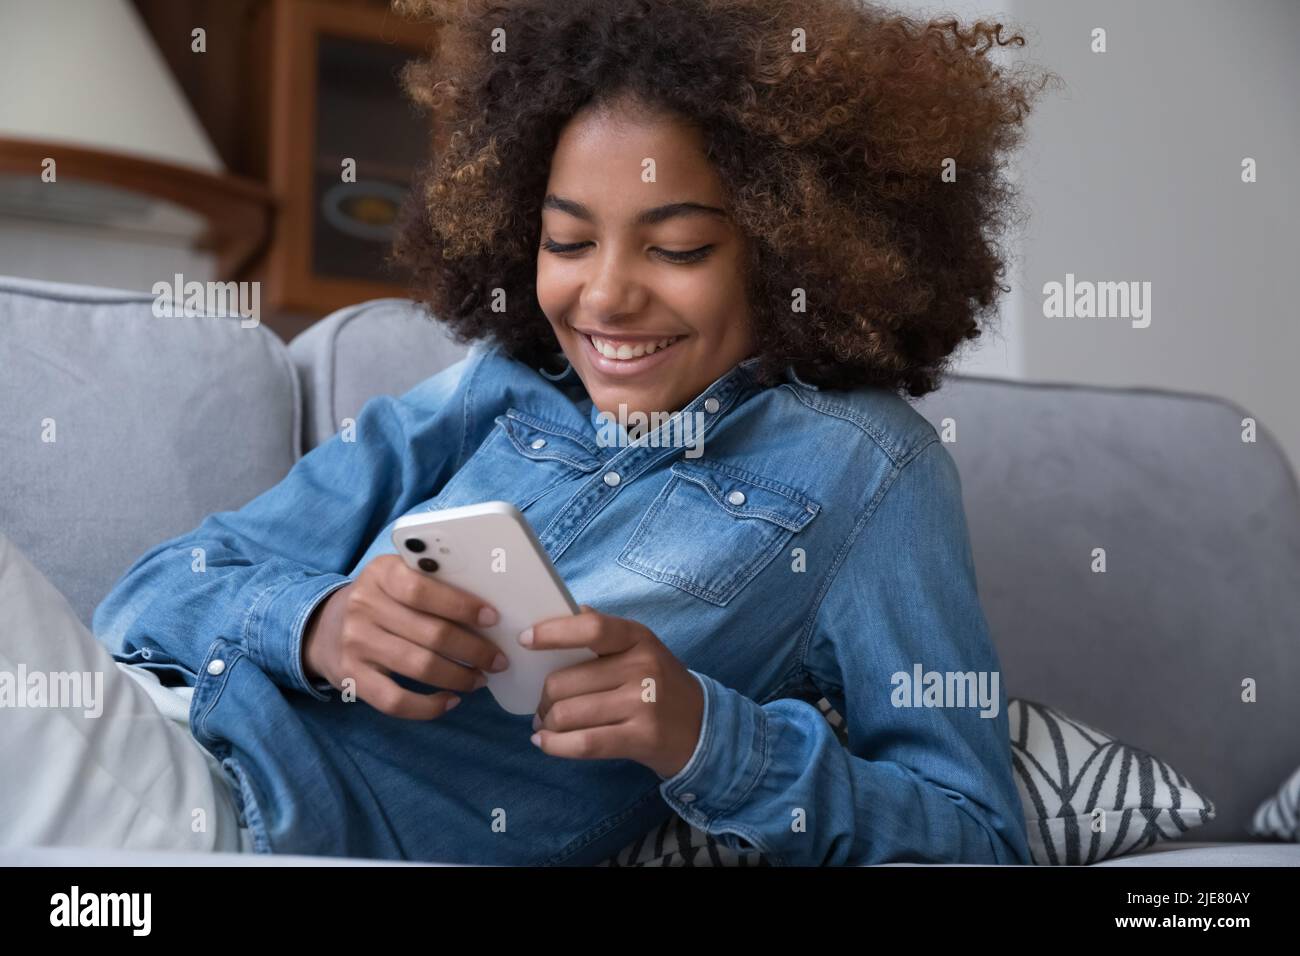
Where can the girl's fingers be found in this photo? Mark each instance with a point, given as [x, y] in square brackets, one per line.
[589, 677]
[598, 632]
[444, 637]
[589, 710]
[384, 694]
[392, 652]
[609, 742]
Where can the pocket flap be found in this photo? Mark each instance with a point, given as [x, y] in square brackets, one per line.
[541, 440]
[747, 495]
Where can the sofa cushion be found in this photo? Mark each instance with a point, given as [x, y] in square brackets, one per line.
[1162, 854]
[119, 429]
[1212, 854]
[382, 347]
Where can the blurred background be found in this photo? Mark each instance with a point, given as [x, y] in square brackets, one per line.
[206, 137]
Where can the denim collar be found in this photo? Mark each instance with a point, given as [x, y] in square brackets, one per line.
[792, 376]
[737, 383]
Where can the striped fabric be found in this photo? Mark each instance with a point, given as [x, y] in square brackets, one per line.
[1087, 796]
[1278, 817]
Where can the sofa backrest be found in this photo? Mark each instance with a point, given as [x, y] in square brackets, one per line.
[120, 429]
[1200, 535]
[381, 347]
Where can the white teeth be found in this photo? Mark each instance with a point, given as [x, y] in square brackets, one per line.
[622, 352]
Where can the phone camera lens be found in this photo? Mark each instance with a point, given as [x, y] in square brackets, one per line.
[428, 564]
[414, 544]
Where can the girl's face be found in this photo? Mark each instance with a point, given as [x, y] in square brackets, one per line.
[636, 252]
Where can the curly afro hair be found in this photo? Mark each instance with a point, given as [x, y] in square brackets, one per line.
[835, 126]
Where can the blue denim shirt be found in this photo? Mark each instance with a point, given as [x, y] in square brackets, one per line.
[811, 542]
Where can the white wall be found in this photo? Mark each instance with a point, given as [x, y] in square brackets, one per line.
[1133, 172]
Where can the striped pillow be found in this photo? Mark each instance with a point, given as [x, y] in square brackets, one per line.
[1064, 769]
[1278, 817]
[1089, 797]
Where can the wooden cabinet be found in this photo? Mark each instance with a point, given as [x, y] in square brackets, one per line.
[305, 96]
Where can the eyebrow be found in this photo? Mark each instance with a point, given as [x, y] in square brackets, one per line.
[647, 217]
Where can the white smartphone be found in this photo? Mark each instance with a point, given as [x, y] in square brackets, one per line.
[490, 551]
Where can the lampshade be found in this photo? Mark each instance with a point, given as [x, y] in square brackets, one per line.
[82, 83]
[87, 73]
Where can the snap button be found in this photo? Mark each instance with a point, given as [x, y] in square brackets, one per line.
[146, 653]
[612, 478]
[216, 667]
[736, 497]
[539, 442]
[711, 404]
[687, 797]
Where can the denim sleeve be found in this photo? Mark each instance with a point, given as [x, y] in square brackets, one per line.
[254, 576]
[915, 783]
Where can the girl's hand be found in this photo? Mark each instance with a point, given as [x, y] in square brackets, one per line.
[393, 620]
[635, 701]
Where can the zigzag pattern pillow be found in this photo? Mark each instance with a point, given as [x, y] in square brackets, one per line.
[1063, 769]
[1066, 770]
[1278, 817]
[676, 843]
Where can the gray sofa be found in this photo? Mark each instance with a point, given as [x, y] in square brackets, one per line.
[161, 421]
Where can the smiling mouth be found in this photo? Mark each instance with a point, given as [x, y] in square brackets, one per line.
[626, 352]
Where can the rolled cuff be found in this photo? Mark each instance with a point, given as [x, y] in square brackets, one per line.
[276, 624]
[728, 760]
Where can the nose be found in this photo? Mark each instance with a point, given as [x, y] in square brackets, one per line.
[612, 286]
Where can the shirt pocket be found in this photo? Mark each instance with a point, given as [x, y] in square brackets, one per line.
[714, 527]
[523, 459]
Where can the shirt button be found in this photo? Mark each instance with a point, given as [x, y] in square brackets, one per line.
[146, 653]
[687, 797]
[736, 497]
[539, 442]
[216, 667]
[612, 478]
[710, 404]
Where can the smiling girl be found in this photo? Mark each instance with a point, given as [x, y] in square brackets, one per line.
[773, 217]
